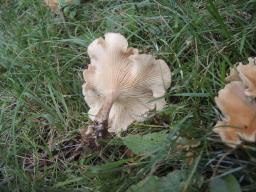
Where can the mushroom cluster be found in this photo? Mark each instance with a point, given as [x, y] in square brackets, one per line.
[238, 105]
[122, 86]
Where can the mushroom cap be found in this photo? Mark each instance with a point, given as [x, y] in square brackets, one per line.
[239, 112]
[134, 81]
[246, 74]
[233, 75]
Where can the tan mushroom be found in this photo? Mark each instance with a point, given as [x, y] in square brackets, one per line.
[233, 75]
[122, 86]
[237, 103]
[239, 115]
[54, 4]
[246, 74]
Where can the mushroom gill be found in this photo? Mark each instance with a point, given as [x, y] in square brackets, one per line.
[237, 103]
[121, 85]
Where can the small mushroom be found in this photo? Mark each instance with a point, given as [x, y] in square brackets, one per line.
[239, 112]
[121, 86]
[54, 4]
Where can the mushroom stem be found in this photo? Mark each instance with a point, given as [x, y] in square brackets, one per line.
[103, 113]
[99, 128]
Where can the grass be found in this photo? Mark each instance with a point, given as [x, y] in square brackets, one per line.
[42, 109]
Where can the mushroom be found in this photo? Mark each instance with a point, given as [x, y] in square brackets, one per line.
[121, 86]
[236, 101]
[246, 74]
[54, 4]
[233, 75]
[239, 120]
